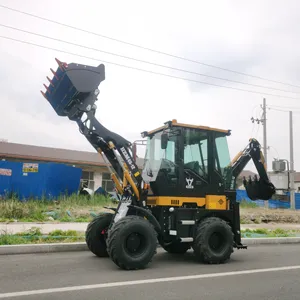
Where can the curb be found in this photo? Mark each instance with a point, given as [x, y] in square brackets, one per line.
[42, 248]
[264, 241]
[72, 247]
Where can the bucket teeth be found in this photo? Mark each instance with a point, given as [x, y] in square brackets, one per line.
[258, 189]
[50, 81]
[47, 88]
[62, 65]
[44, 94]
[54, 73]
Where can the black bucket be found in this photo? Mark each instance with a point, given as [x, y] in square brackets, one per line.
[70, 83]
[259, 189]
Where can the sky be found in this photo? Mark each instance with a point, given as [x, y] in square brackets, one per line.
[252, 37]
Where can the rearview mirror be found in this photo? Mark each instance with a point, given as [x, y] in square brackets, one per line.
[164, 141]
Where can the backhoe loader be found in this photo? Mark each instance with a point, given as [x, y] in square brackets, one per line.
[183, 198]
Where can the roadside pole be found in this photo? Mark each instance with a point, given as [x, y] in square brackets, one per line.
[292, 172]
[265, 139]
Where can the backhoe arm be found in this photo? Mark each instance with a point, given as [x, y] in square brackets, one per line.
[72, 92]
[257, 189]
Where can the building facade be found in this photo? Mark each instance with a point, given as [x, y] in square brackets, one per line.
[95, 173]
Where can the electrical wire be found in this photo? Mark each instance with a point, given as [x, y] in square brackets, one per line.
[142, 47]
[275, 151]
[283, 110]
[252, 131]
[287, 107]
[257, 131]
[254, 112]
[143, 70]
[143, 61]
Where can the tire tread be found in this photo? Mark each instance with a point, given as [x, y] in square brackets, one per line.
[201, 248]
[95, 245]
[112, 241]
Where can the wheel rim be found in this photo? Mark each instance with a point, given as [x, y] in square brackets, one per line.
[216, 241]
[135, 243]
[103, 234]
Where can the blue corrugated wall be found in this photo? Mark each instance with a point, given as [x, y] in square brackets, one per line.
[62, 179]
[241, 195]
[5, 179]
[50, 181]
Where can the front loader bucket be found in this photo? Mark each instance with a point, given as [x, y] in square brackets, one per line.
[70, 84]
[259, 189]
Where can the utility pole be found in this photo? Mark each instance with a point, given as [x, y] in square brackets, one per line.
[263, 120]
[265, 130]
[264, 123]
[292, 178]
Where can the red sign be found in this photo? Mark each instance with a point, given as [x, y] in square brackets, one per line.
[5, 172]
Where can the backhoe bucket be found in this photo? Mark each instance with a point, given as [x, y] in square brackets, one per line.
[259, 189]
[70, 84]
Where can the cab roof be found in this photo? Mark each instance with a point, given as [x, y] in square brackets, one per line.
[174, 123]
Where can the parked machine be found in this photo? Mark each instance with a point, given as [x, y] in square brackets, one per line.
[185, 195]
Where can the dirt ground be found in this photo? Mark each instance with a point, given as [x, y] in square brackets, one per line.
[262, 215]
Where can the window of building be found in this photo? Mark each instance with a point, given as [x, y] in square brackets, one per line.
[87, 180]
[107, 183]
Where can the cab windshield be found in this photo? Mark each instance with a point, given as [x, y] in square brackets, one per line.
[157, 159]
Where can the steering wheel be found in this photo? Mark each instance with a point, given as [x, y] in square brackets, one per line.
[167, 164]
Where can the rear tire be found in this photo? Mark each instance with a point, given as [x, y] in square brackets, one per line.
[132, 243]
[177, 248]
[213, 242]
[96, 233]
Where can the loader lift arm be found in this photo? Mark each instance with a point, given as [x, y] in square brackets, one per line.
[73, 92]
[113, 147]
[258, 186]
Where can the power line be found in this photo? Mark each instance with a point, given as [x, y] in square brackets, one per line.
[284, 110]
[143, 70]
[143, 61]
[269, 147]
[142, 47]
[258, 120]
[287, 107]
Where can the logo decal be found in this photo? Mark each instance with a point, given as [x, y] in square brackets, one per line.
[189, 182]
[128, 159]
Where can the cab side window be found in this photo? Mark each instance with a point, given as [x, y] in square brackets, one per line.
[196, 152]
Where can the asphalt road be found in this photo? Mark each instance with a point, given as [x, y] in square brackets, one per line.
[260, 273]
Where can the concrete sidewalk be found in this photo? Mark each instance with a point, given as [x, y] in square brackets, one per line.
[48, 227]
[12, 228]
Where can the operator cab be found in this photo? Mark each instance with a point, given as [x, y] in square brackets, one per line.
[186, 159]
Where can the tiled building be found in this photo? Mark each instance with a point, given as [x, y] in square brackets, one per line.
[95, 172]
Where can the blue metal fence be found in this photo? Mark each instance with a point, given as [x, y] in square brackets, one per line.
[43, 180]
[241, 195]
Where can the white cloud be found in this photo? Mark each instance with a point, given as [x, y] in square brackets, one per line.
[254, 37]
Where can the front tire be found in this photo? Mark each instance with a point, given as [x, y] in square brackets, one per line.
[132, 243]
[213, 242]
[96, 233]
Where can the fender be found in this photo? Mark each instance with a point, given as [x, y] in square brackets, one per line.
[148, 215]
